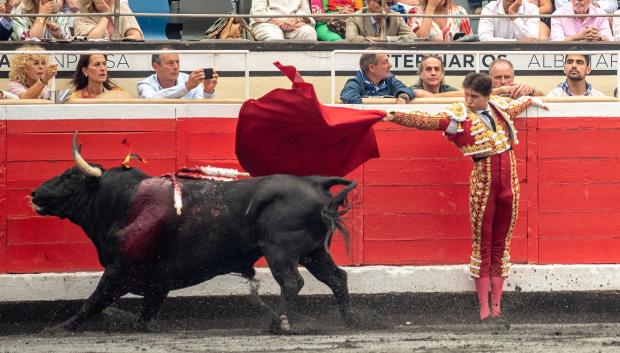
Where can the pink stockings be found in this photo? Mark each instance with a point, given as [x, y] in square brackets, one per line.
[482, 289]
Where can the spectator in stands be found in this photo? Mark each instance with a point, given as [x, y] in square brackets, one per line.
[431, 72]
[169, 82]
[577, 29]
[333, 29]
[609, 6]
[576, 68]
[545, 7]
[68, 7]
[375, 80]
[277, 28]
[616, 26]
[6, 23]
[497, 29]
[30, 74]
[502, 74]
[369, 29]
[102, 27]
[42, 27]
[439, 28]
[91, 79]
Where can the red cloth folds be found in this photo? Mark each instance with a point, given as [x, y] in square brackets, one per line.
[288, 131]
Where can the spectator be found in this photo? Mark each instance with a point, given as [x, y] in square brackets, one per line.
[333, 29]
[30, 74]
[91, 79]
[375, 80]
[6, 23]
[609, 6]
[102, 27]
[502, 74]
[277, 28]
[439, 29]
[369, 29]
[431, 71]
[69, 7]
[616, 26]
[169, 82]
[576, 68]
[497, 29]
[545, 7]
[408, 4]
[42, 27]
[577, 29]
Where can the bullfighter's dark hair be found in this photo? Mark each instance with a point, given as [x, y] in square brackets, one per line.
[80, 81]
[157, 56]
[478, 82]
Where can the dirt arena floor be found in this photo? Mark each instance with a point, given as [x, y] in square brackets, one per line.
[533, 322]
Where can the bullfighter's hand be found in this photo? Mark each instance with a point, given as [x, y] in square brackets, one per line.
[209, 84]
[194, 79]
[537, 102]
[389, 116]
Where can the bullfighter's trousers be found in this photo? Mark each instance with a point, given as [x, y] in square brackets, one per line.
[493, 208]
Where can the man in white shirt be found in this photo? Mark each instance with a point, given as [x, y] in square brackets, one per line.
[497, 29]
[169, 82]
[576, 68]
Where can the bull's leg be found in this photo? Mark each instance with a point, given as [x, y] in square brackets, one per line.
[322, 266]
[286, 274]
[151, 303]
[111, 287]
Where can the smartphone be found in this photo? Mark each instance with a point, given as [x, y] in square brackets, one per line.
[208, 73]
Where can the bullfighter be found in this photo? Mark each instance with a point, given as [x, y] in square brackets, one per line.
[482, 127]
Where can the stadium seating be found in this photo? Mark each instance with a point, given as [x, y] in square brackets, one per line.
[194, 28]
[154, 28]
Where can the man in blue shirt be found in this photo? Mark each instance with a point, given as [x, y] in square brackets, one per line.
[169, 82]
[375, 80]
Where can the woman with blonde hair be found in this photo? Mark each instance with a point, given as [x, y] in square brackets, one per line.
[30, 74]
[102, 27]
[439, 28]
[44, 26]
[91, 79]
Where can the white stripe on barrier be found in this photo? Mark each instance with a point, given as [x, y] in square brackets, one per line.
[362, 280]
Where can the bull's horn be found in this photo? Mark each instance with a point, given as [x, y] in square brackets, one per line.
[80, 163]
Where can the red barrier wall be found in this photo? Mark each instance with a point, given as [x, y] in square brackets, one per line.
[410, 207]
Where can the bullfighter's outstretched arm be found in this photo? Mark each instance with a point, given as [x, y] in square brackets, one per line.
[420, 120]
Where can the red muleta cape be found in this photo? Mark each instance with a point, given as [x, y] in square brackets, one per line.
[288, 131]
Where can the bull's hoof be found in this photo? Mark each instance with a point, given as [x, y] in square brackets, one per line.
[281, 326]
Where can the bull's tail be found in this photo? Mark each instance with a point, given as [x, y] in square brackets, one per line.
[335, 209]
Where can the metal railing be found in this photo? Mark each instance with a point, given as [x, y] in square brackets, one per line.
[476, 54]
[383, 14]
[52, 54]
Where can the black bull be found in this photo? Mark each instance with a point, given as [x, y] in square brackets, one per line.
[225, 227]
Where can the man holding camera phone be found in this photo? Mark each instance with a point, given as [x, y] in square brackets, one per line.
[169, 82]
